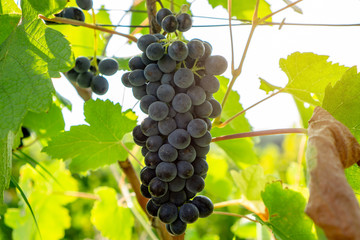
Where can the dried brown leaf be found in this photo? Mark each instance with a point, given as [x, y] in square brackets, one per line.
[332, 204]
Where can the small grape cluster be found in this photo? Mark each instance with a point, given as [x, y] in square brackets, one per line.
[74, 12]
[174, 81]
[86, 75]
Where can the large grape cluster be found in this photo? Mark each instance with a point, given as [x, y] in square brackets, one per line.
[174, 81]
[87, 75]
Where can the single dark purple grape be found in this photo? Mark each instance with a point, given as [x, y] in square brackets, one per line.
[178, 227]
[208, 50]
[145, 191]
[137, 78]
[184, 22]
[168, 213]
[157, 188]
[108, 66]
[203, 141]
[84, 79]
[161, 14]
[167, 64]
[195, 184]
[125, 80]
[85, 4]
[178, 51]
[146, 175]
[139, 92]
[178, 198]
[203, 110]
[152, 87]
[153, 143]
[168, 153]
[167, 126]
[145, 40]
[152, 208]
[158, 111]
[155, 51]
[197, 95]
[177, 184]
[179, 138]
[201, 151]
[204, 205]
[72, 75]
[182, 119]
[200, 166]
[196, 49]
[161, 200]
[188, 154]
[138, 134]
[99, 85]
[166, 171]
[146, 101]
[169, 23]
[149, 127]
[197, 128]
[136, 63]
[184, 169]
[152, 160]
[210, 84]
[152, 72]
[73, 13]
[188, 213]
[215, 65]
[82, 64]
[216, 108]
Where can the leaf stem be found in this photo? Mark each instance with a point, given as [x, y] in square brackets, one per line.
[234, 215]
[243, 111]
[255, 22]
[244, 203]
[260, 133]
[94, 61]
[231, 35]
[131, 154]
[79, 195]
[92, 26]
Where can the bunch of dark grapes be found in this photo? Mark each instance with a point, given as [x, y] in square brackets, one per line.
[86, 75]
[74, 12]
[174, 81]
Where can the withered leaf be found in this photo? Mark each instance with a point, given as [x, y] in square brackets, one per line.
[332, 204]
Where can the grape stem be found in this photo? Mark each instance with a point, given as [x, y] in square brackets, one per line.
[243, 111]
[246, 204]
[235, 215]
[260, 133]
[255, 22]
[94, 61]
[92, 26]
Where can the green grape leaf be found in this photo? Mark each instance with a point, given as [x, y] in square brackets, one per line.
[305, 111]
[49, 208]
[137, 18]
[218, 175]
[309, 74]
[47, 7]
[45, 124]
[250, 181]
[113, 221]
[267, 87]
[244, 9]
[342, 101]
[123, 63]
[10, 16]
[287, 218]
[82, 39]
[99, 144]
[241, 151]
[29, 57]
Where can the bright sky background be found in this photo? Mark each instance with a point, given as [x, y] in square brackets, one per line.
[267, 47]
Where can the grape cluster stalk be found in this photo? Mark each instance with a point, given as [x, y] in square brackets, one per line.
[174, 79]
